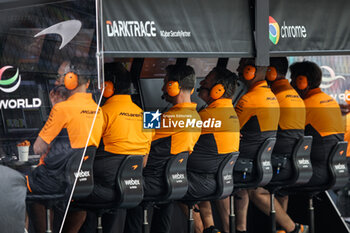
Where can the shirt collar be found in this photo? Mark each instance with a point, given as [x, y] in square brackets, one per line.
[116, 98]
[184, 105]
[313, 92]
[279, 83]
[80, 95]
[223, 102]
[258, 84]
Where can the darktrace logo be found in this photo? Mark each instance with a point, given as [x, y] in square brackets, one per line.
[11, 84]
[274, 30]
[285, 31]
[151, 120]
[132, 28]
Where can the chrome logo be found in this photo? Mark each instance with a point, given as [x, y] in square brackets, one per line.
[274, 30]
[9, 81]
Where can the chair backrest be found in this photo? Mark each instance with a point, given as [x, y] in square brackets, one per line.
[176, 177]
[224, 176]
[129, 182]
[85, 181]
[264, 170]
[338, 166]
[301, 161]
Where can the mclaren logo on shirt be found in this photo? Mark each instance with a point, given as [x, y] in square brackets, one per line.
[130, 114]
[87, 112]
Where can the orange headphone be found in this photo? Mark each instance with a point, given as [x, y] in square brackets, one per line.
[71, 80]
[301, 82]
[172, 88]
[109, 89]
[249, 72]
[217, 91]
[271, 74]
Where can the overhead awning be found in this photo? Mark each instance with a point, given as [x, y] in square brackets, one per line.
[313, 27]
[10, 4]
[202, 28]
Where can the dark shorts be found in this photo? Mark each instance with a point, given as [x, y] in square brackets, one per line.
[320, 174]
[154, 176]
[200, 185]
[105, 172]
[154, 186]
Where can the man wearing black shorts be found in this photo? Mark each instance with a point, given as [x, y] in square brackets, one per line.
[290, 129]
[167, 143]
[214, 144]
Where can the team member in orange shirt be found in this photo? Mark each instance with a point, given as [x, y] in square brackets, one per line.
[166, 143]
[214, 144]
[66, 131]
[323, 117]
[123, 133]
[290, 128]
[258, 113]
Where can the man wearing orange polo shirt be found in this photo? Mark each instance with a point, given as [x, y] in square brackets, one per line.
[290, 128]
[323, 117]
[258, 113]
[67, 130]
[167, 142]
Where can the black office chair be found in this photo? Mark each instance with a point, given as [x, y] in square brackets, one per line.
[300, 174]
[263, 175]
[129, 190]
[83, 186]
[224, 186]
[176, 185]
[338, 178]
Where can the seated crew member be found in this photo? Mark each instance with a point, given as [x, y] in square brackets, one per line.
[323, 117]
[290, 129]
[258, 114]
[66, 131]
[166, 143]
[123, 134]
[214, 144]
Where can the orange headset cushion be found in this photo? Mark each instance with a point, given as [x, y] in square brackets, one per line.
[217, 91]
[109, 89]
[271, 74]
[301, 82]
[249, 72]
[173, 88]
[71, 81]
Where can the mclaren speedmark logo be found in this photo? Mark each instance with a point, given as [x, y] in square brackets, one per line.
[66, 29]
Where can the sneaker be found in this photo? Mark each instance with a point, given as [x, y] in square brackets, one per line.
[211, 229]
[300, 228]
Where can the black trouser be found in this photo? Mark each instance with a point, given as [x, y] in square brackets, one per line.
[154, 185]
[161, 220]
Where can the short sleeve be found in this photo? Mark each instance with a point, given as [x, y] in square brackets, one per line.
[53, 126]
